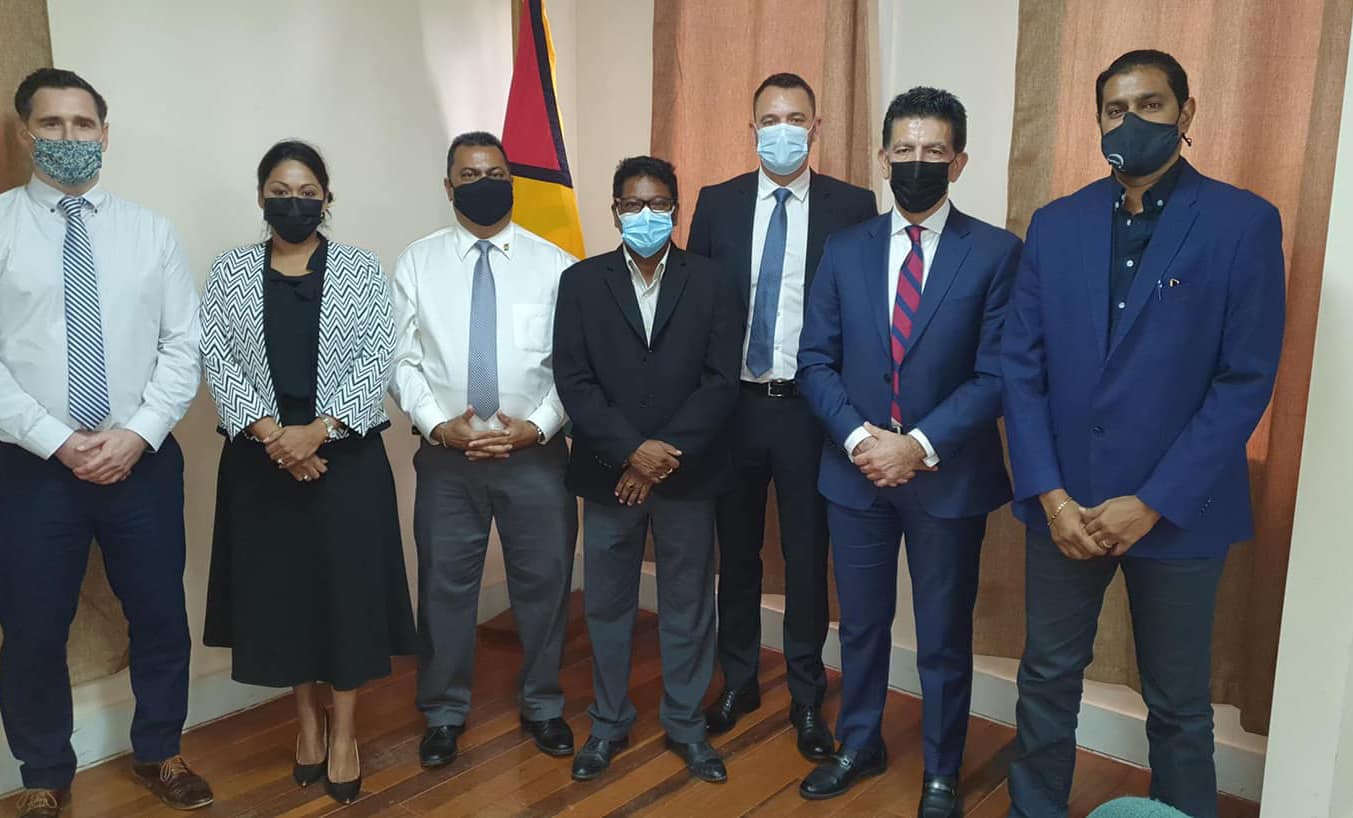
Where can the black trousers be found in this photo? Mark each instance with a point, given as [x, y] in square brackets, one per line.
[1172, 603]
[775, 439]
[48, 518]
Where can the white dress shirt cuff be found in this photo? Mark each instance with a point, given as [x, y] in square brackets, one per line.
[428, 416]
[46, 437]
[856, 438]
[151, 426]
[931, 458]
[547, 421]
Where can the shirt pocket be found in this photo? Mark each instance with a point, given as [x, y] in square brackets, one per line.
[532, 327]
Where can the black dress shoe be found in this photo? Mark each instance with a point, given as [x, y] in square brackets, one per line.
[552, 736]
[939, 798]
[344, 792]
[815, 738]
[439, 745]
[306, 774]
[839, 773]
[731, 704]
[702, 760]
[595, 757]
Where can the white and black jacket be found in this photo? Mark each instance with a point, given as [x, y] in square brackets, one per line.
[356, 340]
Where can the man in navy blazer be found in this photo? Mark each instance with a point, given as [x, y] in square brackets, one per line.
[900, 359]
[766, 229]
[1139, 354]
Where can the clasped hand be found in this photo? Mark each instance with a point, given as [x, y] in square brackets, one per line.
[486, 444]
[889, 459]
[1109, 529]
[653, 462]
[102, 458]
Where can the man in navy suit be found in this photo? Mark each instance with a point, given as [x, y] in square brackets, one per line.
[900, 359]
[1139, 353]
[766, 229]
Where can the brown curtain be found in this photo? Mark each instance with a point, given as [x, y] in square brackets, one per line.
[98, 643]
[708, 58]
[1268, 76]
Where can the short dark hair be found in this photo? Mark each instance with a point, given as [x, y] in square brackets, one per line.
[786, 80]
[473, 139]
[650, 166]
[53, 78]
[294, 150]
[1145, 58]
[928, 103]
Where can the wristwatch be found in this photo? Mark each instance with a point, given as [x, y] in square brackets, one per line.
[540, 433]
[332, 431]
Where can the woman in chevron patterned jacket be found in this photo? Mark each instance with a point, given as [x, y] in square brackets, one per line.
[307, 574]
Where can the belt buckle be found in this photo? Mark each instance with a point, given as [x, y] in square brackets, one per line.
[780, 389]
[897, 428]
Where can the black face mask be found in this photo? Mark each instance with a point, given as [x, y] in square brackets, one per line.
[484, 202]
[1138, 147]
[918, 186]
[293, 218]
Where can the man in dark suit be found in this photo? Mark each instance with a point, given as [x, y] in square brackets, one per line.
[645, 359]
[766, 230]
[1139, 354]
[901, 360]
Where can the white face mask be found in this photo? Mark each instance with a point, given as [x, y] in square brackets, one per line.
[783, 148]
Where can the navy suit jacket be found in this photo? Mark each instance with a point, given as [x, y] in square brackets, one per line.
[951, 376]
[1163, 408]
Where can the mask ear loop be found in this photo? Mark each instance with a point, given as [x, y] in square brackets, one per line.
[1186, 139]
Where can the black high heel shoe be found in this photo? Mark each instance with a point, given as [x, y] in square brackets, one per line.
[344, 792]
[307, 774]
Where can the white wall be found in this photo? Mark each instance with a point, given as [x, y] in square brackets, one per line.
[1310, 761]
[198, 92]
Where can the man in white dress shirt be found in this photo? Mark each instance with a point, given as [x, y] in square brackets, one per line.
[474, 312]
[98, 362]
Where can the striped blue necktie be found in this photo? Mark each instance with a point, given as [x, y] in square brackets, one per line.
[761, 341]
[87, 375]
[482, 380]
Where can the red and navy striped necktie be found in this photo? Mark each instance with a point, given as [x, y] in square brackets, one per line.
[905, 305]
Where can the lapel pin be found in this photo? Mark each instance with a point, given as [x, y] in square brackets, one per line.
[1174, 282]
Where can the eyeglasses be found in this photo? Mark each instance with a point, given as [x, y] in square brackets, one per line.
[657, 205]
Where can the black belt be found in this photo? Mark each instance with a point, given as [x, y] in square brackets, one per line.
[773, 389]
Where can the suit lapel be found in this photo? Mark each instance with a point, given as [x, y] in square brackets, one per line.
[618, 281]
[819, 208]
[876, 279]
[673, 285]
[953, 249]
[1175, 222]
[746, 223]
[1096, 228]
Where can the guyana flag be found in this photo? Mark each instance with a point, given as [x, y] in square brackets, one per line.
[544, 201]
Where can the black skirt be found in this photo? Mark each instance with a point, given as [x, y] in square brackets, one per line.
[307, 579]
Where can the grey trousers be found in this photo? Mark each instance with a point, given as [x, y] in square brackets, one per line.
[613, 552]
[456, 503]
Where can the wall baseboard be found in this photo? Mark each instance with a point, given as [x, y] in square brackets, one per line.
[1112, 717]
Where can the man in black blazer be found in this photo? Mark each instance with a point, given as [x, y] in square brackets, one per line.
[645, 360]
[766, 229]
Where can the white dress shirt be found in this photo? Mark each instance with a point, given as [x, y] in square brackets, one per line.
[147, 303]
[789, 316]
[898, 249]
[434, 279]
[647, 292]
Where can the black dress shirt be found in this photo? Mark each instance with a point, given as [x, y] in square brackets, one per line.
[291, 307]
[1131, 234]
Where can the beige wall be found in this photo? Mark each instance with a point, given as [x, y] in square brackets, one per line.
[1310, 759]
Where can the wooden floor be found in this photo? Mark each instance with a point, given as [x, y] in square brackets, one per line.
[247, 757]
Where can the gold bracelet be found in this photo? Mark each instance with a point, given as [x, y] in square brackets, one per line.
[1058, 512]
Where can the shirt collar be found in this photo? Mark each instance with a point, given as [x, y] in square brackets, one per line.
[634, 267]
[49, 197]
[464, 241]
[934, 223]
[1154, 199]
[766, 186]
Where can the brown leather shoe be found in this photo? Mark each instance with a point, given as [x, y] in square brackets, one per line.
[42, 803]
[174, 784]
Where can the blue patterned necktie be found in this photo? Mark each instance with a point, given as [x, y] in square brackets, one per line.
[482, 389]
[761, 343]
[87, 378]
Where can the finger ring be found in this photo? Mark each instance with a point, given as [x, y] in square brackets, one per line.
[281, 461]
[306, 478]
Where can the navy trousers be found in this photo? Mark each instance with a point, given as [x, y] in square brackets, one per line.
[943, 556]
[48, 518]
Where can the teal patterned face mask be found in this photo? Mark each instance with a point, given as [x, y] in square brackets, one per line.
[68, 162]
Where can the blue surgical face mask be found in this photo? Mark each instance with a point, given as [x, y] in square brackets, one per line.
[646, 232]
[783, 148]
[68, 162]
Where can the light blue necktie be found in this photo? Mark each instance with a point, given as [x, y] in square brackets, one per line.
[87, 377]
[761, 343]
[482, 389]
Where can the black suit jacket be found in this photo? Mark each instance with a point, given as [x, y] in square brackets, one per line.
[721, 228]
[620, 390]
